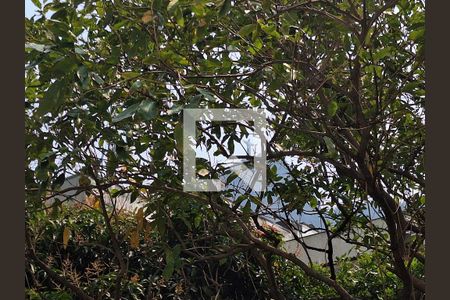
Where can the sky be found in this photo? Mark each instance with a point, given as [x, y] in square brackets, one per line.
[30, 8]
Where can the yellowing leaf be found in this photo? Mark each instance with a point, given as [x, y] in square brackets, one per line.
[84, 180]
[130, 75]
[97, 204]
[66, 237]
[147, 17]
[203, 172]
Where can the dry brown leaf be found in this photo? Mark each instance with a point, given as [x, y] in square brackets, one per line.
[134, 239]
[147, 231]
[135, 278]
[66, 237]
[90, 200]
[140, 219]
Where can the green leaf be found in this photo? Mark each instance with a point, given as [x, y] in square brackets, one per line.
[176, 250]
[417, 35]
[246, 210]
[59, 181]
[119, 24]
[255, 200]
[378, 70]
[255, 102]
[330, 146]
[422, 200]
[270, 30]
[175, 109]
[206, 94]
[134, 195]
[37, 3]
[136, 85]
[80, 51]
[269, 199]
[382, 53]
[226, 6]
[231, 177]
[82, 74]
[313, 202]
[230, 145]
[180, 19]
[172, 5]
[147, 109]
[130, 75]
[65, 66]
[178, 133]
[38, 47]
[53, 98]
[197, 220]
[247, 29]
[172, 255]
[332, 108]
[98, 79]
[168, 271]
[126, 113]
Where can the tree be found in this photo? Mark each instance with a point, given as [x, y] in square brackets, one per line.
[341, 81]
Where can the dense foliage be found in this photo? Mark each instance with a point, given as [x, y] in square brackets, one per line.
[87, 261]
[342, 83]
